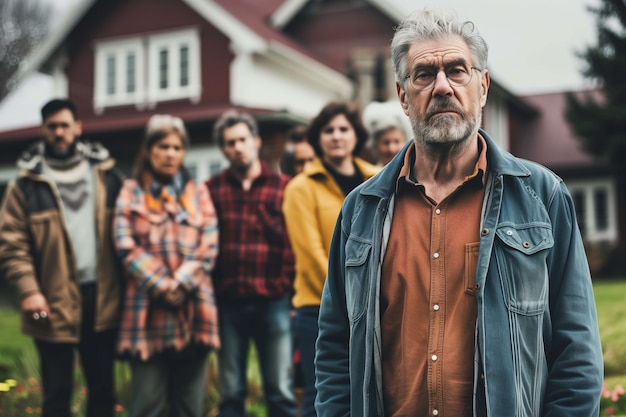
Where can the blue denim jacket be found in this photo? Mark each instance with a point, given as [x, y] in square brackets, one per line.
[537, 350]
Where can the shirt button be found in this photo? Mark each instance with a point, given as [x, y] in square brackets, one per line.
[438, 211]
[435, 412]
[436, 307]
[434, 358]
[509, 232]
[436, 255]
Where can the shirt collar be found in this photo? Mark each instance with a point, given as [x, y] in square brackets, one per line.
[407, 172]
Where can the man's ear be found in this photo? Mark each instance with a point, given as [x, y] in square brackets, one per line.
[403, 98]
[485, 81]
[78, 130]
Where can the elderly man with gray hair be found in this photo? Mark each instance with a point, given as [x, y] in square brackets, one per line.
[457, 284]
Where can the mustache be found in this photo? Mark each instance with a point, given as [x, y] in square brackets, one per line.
[443, 105]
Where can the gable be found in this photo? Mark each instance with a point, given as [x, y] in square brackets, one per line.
[333, 29]
[100, 45]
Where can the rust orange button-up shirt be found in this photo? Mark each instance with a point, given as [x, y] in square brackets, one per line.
[428, 302]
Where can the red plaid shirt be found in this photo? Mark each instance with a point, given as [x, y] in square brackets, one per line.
[255, 259]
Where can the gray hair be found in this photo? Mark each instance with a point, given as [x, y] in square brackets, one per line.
[159, 125]
[433, 24]
[229, 119]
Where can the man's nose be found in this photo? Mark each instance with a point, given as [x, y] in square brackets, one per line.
[442, 84]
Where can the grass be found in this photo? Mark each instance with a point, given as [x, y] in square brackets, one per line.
[18, 360]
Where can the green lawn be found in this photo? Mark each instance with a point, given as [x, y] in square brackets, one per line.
[18, 358]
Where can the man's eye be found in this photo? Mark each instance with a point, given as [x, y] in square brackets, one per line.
[456, 71]
[423, 76]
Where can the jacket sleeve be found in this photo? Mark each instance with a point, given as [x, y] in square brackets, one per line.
[575, 355]
[17, 264]
[195, 271]
[147, 270]
[305, 236]
[332, 348]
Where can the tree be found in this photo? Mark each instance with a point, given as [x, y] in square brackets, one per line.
[600, 124]
[23, 25]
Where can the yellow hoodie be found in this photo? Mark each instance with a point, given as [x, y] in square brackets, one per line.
[311, 205]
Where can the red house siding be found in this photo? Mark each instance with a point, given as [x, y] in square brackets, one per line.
[332, 29]
[123, 18]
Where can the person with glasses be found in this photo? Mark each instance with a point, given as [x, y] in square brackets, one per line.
[56, 249]
[457, 282]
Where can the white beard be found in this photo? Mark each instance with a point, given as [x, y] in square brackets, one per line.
[445, 129]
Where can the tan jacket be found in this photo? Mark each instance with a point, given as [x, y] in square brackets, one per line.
[36, 254]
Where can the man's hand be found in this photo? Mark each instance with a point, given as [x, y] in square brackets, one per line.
[35, 307]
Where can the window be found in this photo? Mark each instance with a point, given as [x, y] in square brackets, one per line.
[595, 205]
[111, 75]
[600, 204]
[145, 70]
[119, 66]
[579, 203]
[131, 73]
[163, 73]
[174, 66]
[184, 65]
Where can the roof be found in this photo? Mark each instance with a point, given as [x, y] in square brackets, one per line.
[290, 8]
[550, 140]
[241, 22]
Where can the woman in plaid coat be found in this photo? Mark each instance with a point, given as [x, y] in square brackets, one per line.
[165, 231]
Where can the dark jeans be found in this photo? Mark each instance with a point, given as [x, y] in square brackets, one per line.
[266, 322]
[305, 328]
[97, 355]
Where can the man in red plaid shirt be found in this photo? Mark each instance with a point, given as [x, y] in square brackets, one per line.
[253, 276]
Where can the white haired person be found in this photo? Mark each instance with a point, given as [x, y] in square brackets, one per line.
[389, 129]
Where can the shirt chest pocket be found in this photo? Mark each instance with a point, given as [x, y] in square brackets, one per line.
[357, 276]
[521, 252]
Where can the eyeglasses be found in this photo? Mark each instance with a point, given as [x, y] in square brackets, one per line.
[424, 78]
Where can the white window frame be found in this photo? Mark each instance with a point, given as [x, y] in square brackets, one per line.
[172, 42]
[120, 50]
[587, 188]
[146, 49]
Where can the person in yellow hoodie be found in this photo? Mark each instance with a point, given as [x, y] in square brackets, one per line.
[311, 205]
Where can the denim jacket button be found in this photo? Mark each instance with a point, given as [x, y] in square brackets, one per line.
[484, 232]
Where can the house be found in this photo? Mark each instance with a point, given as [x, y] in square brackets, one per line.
[281, 60]
[549, 140]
